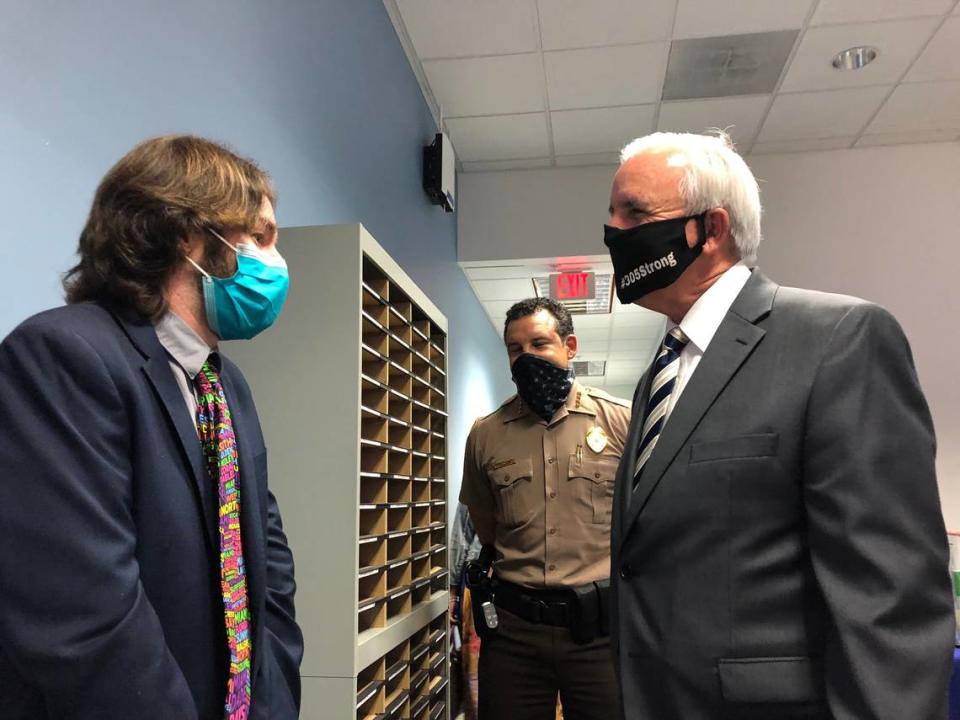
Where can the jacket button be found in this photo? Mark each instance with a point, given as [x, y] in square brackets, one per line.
[625, 572]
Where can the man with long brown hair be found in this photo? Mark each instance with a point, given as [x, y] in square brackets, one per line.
[144, 571]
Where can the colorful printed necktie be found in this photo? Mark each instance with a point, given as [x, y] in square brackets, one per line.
[665, 370]
[220, 452]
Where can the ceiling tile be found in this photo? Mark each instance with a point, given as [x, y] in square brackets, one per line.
[513, 290]
[591, 322]
[625, 337]
[487, 86]
[920, 106]
[638, 346]
[596, 77]
[612, 159]
[624, 392]
[846, 11]
[592, 346]
[708, 18]
[459, 28]
[647, 322]
[632, 355]
[939, 60]
[577, 24]
[600, 129]
[922, 136]
[501, 165]
[625, 367]
[496, 272]
[739, 116]
[501, 137]
[898, 43]
[792, 146]
[725, 65]
[592, 335]
[825, 114]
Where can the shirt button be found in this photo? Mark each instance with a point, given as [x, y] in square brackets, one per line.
[506, 478]
[553, 531]
[553, 494]
[626, 571]
[551, 566]
[596, 475]
[550, 460]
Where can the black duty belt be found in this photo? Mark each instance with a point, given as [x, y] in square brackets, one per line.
[545, 607]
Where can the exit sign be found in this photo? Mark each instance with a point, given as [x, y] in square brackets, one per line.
[572, 286]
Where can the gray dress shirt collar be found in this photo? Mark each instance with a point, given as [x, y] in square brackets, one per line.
[183, 344]
[187, 353]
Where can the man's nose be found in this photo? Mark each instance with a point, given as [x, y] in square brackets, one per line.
[617, 221]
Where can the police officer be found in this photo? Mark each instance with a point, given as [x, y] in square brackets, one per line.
[538, 479]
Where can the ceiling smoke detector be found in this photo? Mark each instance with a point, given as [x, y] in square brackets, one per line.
[855, 58]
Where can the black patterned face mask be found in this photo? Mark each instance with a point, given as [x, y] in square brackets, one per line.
[543, 386]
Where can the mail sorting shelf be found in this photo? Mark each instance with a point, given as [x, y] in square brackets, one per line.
[402, 528]
[410, 681]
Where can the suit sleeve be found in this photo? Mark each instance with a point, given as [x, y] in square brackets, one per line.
[74, 619]
[281, 631]
[876, 532]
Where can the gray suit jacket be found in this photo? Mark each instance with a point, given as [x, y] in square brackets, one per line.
[784, 555]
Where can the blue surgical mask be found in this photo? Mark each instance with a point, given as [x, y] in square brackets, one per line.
[248, 302]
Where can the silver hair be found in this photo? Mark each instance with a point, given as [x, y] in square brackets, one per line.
[715, 176]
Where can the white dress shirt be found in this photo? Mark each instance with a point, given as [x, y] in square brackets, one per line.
[701, 322]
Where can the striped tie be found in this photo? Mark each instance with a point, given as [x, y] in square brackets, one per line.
[665, 370]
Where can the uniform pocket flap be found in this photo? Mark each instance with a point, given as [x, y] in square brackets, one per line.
[596, 469]
[744, 446]
[506, 475]
[771, 680]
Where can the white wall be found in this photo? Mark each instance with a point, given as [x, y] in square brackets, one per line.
[881, 223]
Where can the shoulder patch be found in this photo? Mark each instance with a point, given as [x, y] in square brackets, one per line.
[602, 395]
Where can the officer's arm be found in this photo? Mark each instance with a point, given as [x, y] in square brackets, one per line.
[475, 490]
[485, 524]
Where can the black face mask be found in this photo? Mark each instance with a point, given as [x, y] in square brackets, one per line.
[543, 386]
[652, 255]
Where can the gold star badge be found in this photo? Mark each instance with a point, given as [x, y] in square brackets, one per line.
[596, 439]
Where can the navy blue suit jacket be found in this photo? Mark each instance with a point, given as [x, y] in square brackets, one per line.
[110, 603]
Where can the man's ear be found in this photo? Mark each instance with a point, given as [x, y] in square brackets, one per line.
[716, 223]
[191, 246]
[571, 343]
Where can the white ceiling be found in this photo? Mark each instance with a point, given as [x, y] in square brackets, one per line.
[553, 83]
[541, 83]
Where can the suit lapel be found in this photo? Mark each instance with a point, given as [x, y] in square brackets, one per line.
[625, 471]
[730, 347]
[157, 370]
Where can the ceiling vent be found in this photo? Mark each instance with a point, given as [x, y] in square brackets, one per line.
[727, 65]
[589, 368]
[602, 302]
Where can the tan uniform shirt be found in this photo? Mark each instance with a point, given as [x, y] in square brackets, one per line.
[549, 485]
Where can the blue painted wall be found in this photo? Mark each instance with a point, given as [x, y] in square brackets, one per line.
[319, 92]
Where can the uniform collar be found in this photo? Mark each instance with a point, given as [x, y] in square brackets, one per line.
[578, 401]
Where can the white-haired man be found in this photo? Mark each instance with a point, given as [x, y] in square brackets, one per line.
[777, 544]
